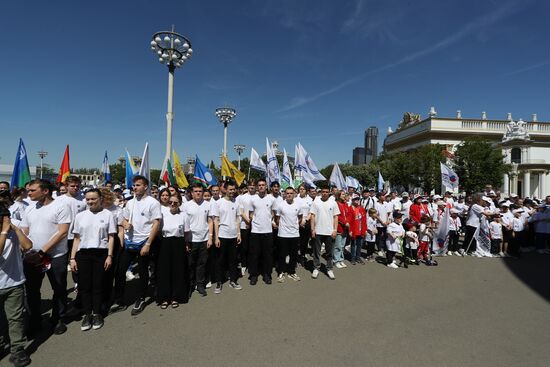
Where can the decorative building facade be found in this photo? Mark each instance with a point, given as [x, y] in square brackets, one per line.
[525, 144]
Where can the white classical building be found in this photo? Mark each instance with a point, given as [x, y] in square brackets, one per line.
[525, 144]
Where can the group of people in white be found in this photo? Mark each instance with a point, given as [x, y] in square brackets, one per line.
[184, 241]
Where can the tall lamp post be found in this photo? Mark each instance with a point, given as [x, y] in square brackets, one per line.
[225, 115]
[173, 50]
[239, 148]
[42, 154]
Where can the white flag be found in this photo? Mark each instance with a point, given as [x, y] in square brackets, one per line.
[353, 182]
[273, 173]
[310, 165]
[287, 174]
[144, 169]
[336, 178]
[441, 238]
[381, 182]
[256, 162]
[449, 178]
[482, 238]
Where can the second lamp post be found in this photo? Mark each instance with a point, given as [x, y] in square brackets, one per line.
[225, 115]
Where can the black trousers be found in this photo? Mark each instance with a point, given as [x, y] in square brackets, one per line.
[469, 237]
[453, 241]
[226, 259]
[305, 236]
[370, 247]
[288, 247]
[243, 247]
[57, 276]
[197, 264]
[126, 258]
[381, 237]
[389, 257]
[109, 275]
[495, 245]
[172, 271]
[261, 247]
[210, 267]
[91, 273]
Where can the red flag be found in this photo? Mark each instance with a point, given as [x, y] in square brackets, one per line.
[65, 169]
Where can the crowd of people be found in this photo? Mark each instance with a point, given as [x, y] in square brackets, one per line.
[175, 242]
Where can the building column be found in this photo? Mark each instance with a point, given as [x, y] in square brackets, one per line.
[506, 184]
[526, 184]
[514, 184]
[542, 185]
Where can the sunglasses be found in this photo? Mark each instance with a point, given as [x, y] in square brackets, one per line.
[174, 203]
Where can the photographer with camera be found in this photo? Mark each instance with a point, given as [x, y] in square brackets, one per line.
[12, 278]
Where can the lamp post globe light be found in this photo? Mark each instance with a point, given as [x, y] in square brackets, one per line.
[173, 50]
[42, 154]
[225, 115]
[239, 148]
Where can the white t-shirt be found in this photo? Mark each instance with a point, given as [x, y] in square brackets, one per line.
[518, 224]
[289, 223]
[395, 236]
[11, 263]
[141, 214]
[495, 230]
[228, 213]
[507, 219]
[371, 226]
[243, 202]
[324, 212]
[424, 231]
[474, 215]
[94, 228]
[173, 225]
[263, 213]
[76, 204]
[197, 219]
[383, 212]
[17, 211]
[454, 224]
[116, 211]
[411, 239]
[278, 200]
[42, 222]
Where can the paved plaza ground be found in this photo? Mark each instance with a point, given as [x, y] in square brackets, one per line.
[465, 312]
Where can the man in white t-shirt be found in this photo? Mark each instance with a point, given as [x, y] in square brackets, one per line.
[260, 211]
[141, 223]
[200, 226]
[243, 203]
[227, 228]
[12, 294]
[324, 225]
[47, 224]
[288, 218]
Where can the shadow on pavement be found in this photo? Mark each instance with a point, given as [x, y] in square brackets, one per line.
[533, 270]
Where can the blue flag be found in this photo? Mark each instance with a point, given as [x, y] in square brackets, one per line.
[203, 174]
[106, 169]
[131, 170]
[21, 173]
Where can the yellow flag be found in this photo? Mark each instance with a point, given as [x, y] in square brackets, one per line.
[229, 170]
[181, 180]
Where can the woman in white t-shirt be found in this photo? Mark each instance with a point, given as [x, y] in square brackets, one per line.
[172, 273]
[94, 230]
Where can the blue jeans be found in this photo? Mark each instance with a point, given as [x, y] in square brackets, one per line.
[338, 251]
[356, 245]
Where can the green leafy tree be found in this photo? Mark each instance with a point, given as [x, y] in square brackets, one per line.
[118, 174]
[478, 163]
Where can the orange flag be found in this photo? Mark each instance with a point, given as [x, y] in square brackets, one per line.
[65, 169]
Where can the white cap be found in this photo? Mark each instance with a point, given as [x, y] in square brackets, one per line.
[455, 211]
[505, 204]
[518, 210]
[440, 202]
[117, 186]
[436, 196]
[487, 199]
[405, 194]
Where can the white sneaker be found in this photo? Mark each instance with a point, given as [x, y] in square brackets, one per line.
[315, 274]
[343, 264]
[347, 248]
[501, 254]
[243, 271]
[338, 265]
[281, 278]
[330, 274]
[130, 275]
[294, 277]
[393, 266]
[461, 252]
[450, 253]
[208, 285]
[381, 253]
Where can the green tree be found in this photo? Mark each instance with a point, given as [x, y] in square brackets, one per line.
[478, 163]
[118, 174]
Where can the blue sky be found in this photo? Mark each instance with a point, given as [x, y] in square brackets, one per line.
[319, 72]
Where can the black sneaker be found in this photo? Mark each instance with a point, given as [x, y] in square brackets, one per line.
[97, 321]
[117, 307]
[218, 288]
[138, 306]
[59, 328]
[267, 280]
[253, 280]
[86, 323]
[20, 358]
[235, 285]
[201, 290]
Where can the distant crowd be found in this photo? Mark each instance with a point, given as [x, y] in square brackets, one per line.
[174, 243]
